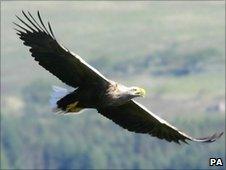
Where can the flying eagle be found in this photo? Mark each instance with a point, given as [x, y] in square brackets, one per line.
[93, 90]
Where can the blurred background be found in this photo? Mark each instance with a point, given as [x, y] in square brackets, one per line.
[175, 50]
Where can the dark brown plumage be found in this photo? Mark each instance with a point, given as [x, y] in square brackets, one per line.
[93, 90]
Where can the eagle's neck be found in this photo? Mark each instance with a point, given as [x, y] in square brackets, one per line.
[117, 94]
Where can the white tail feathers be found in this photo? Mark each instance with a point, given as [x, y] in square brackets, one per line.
[58, 93]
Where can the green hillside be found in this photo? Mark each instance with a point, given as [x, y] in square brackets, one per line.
[175, 50]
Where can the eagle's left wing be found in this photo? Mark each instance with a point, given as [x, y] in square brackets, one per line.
[136, 118]
[67, 66]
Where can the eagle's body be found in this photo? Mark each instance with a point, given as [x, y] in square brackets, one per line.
[86, 97]
[93, 96]
[92, 89]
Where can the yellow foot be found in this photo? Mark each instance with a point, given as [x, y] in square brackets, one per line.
[72, 107]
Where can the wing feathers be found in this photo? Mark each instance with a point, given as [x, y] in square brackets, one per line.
[40, 19]
[40, 28]
[51, 31]
[136, 118]
[26, 24]
[208, 139]
[37, 29]
[62, 63]
[21, 28]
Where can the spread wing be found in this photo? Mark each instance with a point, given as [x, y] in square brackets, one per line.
[136, 118]
[68, 67]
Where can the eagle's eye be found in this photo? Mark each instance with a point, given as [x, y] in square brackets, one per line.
[134, 90]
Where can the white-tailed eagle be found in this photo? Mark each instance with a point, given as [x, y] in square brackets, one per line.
[92, 90]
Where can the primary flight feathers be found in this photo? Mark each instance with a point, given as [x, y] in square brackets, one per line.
[92, 89]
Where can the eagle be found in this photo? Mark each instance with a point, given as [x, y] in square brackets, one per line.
[92, 90]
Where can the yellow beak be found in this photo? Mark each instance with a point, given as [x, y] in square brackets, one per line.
[142, 92]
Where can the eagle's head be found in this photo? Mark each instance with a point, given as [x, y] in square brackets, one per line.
[120, 94]
[136, 91]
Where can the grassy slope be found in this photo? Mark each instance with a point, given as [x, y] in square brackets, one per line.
[116, 33]
[107, 35]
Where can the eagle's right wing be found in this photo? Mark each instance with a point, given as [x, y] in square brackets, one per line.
[68, 67]
[136, 118]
